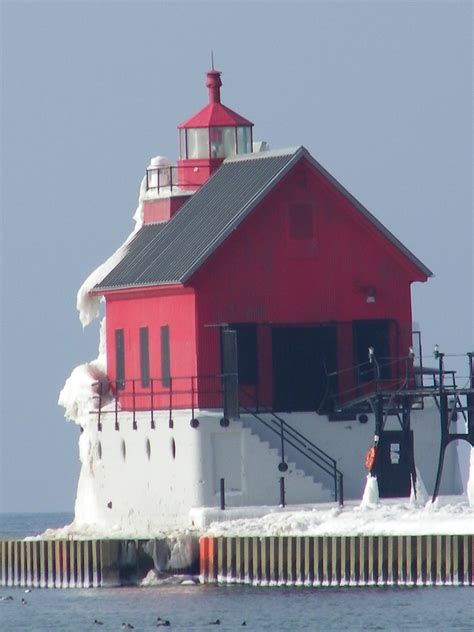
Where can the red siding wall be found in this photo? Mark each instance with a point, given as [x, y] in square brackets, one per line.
[268, 272]
[260, 274]
[153, 309]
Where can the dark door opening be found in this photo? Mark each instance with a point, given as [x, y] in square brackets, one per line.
[302, 358]
[371, 333]
[246, 353]
[394, 464]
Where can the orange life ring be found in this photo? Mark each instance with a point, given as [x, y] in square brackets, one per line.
[370, 458]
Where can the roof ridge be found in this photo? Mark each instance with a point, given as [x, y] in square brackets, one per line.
[267, 153]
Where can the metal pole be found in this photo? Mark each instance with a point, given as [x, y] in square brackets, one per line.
[222, 490]
[444, 419]
[282, 491]
[340, 494]
[283, 466]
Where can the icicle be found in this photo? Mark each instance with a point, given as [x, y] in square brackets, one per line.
[419, 498]
[371, 492]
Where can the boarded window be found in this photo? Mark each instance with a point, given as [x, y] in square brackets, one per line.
[144, 357]
[165, 356]
[119, 358]
[301, 221]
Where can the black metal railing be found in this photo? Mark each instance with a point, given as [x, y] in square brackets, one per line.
[174, 393]
[166, 178]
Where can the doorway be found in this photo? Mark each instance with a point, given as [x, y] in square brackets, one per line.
[394, 464]
[302, 358]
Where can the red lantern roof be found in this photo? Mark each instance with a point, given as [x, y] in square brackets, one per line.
[214, 114]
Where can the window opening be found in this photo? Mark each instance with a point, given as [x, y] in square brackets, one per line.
[244, 140]
[165, 356]
[144, 357]
[119, 358]
[197, 143]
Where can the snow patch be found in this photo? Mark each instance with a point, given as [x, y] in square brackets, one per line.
[418, 493]
[87, 305]
[87, 385]
[470, 482]
[450, 515]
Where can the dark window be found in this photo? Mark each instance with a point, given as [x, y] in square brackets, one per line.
[371, 333]
[144, 356]
[119, 358]
[301, 221]
[165, 356]
[247, 357]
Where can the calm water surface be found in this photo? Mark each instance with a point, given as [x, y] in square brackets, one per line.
[194, 607]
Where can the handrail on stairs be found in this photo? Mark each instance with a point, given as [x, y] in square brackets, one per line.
[303, 445]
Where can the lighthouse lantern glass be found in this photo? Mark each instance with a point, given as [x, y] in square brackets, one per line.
[182, 141]
[244, 140]
[198, 143]
[222, 141]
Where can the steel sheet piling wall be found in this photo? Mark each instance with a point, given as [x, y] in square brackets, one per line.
[424, 560]
[56, 563]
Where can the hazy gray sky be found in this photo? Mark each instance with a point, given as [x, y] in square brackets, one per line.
[379, 92]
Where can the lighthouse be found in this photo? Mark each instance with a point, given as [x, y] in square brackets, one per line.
[237, 322]
[206, 139]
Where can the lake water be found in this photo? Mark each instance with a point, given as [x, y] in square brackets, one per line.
[194, 607]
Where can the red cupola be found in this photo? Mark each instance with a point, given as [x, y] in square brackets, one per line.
[210, 136]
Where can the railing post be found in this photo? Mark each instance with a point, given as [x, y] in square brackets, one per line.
[340, 494]
[99, 424]
[170, 420]
[222, 492]
[117, 427]
[192, 397]
[283, 466]
[134, 425]
[152, 420]
[282, 491]
[335, 480]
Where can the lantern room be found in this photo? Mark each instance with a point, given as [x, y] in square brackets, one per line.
[213, 134]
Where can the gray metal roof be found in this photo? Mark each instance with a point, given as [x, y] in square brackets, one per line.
[171, 252]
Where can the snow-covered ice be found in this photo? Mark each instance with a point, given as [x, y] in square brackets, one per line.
[87, 385]
[449, 515]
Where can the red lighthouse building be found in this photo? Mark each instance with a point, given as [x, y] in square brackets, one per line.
[258, 304]
[271, 246]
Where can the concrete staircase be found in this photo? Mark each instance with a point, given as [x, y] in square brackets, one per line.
[300, 487]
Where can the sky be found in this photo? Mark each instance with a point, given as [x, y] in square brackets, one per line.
[379, 92]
